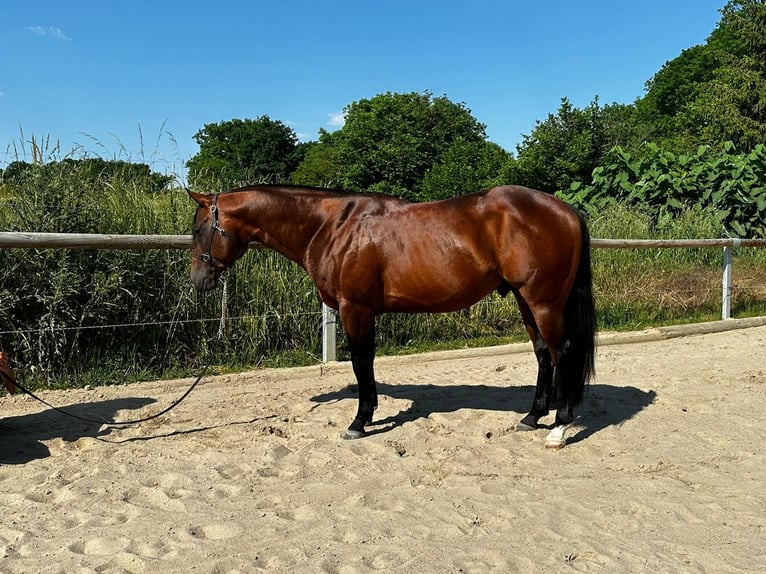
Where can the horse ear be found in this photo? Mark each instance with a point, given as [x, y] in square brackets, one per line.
[200, 199]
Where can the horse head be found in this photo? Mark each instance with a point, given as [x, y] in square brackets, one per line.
[214, 248]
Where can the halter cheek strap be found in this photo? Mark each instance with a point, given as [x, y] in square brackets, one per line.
[215, 227]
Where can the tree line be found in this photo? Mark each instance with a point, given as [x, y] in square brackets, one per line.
[423, 147]
[700, 125]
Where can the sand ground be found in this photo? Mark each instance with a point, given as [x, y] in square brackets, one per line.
[664, 470]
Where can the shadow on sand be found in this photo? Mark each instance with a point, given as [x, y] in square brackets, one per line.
[21, 437]
[602, 406]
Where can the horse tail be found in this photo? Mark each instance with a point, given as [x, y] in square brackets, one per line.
[579, 341]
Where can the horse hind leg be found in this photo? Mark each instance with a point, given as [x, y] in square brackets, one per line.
[566, 390]
[541, 402]
[556, 438]
[573, 363]
[574, 368]
[545, 370]
[554, 370]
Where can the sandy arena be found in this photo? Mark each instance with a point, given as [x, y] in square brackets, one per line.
[664, 471]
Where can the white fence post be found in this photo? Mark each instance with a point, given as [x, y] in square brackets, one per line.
[329, 331]
[726, 284]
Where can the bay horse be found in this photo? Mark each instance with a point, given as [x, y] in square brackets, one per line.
[370, 253]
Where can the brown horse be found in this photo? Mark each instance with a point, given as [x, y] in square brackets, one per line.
[370, 254]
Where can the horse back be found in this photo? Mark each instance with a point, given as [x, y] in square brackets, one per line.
[438, 256]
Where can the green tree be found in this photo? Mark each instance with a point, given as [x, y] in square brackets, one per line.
[567, 146]
[731, 107]
[321, 164]
[732, 104]
[670, 90]
[238, 152]
[391, 141]
[714, 92]
[742, 31]
[464, 167]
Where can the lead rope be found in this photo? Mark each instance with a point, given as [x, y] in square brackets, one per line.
[103, 421]
[224, 309]
[174, 404]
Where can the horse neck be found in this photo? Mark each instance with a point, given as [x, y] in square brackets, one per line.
[282, 219]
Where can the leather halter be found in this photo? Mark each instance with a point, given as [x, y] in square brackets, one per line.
[207, 256]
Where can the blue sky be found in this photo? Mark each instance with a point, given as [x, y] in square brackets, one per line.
[95, 76]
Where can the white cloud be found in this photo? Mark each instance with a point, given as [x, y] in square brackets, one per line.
[336, 119]
[49, 32]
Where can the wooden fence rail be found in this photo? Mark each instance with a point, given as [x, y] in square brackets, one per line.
[22, 240]
[675, 243]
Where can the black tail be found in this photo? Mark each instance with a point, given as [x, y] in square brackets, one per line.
[579, 342]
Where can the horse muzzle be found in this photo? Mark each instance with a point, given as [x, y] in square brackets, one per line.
[204, 277]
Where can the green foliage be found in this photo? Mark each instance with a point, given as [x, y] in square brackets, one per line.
[391, 141]
[239, 152]
[638, 222]
[53, 302]
[638, 288]
[731, 107]
[463, 168]
[94, 171]
[714, 92]
[708, 95]
[741, 30]
[731, 185]
[567, 146]
[678, 82]
[321, 165]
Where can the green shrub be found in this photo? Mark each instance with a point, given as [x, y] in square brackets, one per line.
[723, 182]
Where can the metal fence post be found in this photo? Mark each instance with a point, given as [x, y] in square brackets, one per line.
[329, 331]
[726, 284]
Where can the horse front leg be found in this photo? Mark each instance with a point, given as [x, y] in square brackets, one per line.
[359, 325]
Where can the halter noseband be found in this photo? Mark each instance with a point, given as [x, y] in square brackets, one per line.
[207, 257]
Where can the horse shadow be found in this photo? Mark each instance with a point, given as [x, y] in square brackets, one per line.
[603, 405]
[22, 437]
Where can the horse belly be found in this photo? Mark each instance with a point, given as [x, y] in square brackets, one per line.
[433, 259]
[430, 289]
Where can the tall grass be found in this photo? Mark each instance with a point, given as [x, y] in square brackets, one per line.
[637, 288]
[62, 311]
[77, 317]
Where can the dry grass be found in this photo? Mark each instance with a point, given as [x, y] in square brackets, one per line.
[642, 295]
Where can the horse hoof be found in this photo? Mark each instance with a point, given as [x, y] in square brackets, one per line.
[353, 434]
[555, 444]
[523, 427]
[556, 439]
